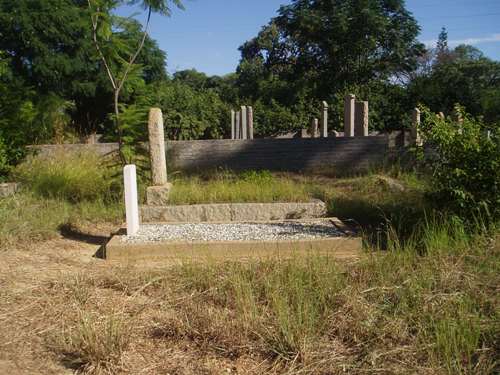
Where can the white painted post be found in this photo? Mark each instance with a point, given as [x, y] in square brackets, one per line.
[131, 204]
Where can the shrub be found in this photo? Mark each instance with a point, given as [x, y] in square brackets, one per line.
[75, 177]
[4, 165]
[465, 164]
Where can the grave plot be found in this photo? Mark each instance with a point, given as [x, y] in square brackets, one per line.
[233, 231]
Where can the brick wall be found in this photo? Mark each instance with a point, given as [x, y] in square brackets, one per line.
[336, 154]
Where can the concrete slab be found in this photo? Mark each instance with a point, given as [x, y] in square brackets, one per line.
[233, 212]
[177, 251]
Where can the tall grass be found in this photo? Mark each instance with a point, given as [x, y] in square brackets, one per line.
[74, 177]
[27, 217]
[227, 187]
[64, 189]
[423, 305]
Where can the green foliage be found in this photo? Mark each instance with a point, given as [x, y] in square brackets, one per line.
[465, 164]
[190, 113]
[463, 76]
[74, 177]
[4, 162]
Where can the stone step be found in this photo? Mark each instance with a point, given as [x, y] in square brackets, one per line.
[231, 212]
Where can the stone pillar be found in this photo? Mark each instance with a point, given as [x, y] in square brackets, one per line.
[157, 195]
[250, 122]
[415, 127]
[131, 204]
[233, 124]
[361, 119]
[243, 123]
[441, 115]
[157, 147]
[314, 128]
[324, 120]
[349, 112]
[237, 127]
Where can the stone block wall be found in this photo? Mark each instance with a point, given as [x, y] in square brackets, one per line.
[342, 155]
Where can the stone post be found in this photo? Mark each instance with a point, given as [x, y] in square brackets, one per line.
[237, 128]
[157, 147]
[361, 119]
[131, 204]
[314, 128]
[415, 127]
[441, 115]
[324, 120]
[349, 114]
[157, 195]
[250, 122]
[233, 124]
[243, 123]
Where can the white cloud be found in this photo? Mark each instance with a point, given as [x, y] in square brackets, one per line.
[495, 38]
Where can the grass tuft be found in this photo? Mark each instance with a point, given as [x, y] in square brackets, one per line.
[95, 344]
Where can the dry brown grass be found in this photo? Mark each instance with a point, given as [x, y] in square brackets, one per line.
[427, 309]
[394, 314]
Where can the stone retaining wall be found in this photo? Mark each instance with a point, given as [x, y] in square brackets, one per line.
[343, 154]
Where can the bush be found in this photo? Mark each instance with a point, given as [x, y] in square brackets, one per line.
[4, 165]
[465, 164]
[75, 177]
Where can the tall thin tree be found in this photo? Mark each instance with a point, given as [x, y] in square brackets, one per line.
[102, 26]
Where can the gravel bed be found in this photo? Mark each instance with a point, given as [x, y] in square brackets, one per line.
[235, 232]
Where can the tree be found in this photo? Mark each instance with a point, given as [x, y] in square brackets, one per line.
[337, 43]
[442, 50]
[112, 50]
[466, 77]
[316, 49]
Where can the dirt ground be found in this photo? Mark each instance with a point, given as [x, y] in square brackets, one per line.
[41, 296]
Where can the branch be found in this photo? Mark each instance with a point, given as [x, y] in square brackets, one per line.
[136, 54]
[96, 43]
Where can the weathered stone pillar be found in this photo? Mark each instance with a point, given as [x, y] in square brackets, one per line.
[237, 127]
[157, 195]
[324, 120]
[349, 114]
[314, 128]
[250, 122]
[233, 124]
[157, 147]
[243, 123]
[361, 119]
[415, 127]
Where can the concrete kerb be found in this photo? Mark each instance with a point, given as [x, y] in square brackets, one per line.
[231, 212]
[346, 247]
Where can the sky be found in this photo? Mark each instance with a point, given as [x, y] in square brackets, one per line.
[206, 35]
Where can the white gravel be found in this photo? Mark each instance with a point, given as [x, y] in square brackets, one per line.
[235, 231]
